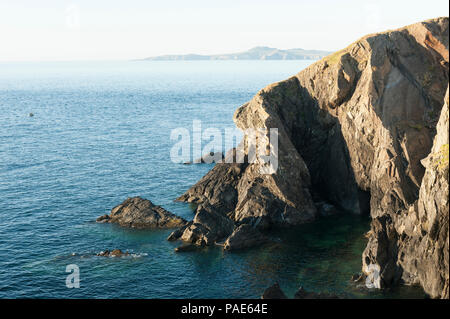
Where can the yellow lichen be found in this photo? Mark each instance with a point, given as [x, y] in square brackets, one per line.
[442, 157]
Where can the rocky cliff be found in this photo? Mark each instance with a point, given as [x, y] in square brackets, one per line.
[413, 244]
[354, 129]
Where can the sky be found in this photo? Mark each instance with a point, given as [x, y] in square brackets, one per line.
[64, 30]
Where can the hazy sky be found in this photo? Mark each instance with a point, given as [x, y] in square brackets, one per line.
[113, 29]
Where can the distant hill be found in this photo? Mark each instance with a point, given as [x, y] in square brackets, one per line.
[257, 53]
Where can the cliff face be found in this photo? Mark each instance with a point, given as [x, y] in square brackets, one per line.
[413, 244]
[354, 128]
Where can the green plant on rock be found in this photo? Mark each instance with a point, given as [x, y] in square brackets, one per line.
[416, 126]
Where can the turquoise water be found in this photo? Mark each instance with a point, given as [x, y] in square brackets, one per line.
[101, 133]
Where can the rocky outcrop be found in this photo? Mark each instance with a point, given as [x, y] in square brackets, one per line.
[137, 212]
[244, 236]
[354, 128]
[113, 253]
[208, 227]
[413, 245]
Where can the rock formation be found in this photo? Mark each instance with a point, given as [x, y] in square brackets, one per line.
[137, 212]
[113, 253]
[413, 245]
[244, 236]
[354, 128]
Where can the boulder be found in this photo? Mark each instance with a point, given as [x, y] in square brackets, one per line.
[274, 292]
[141, 213]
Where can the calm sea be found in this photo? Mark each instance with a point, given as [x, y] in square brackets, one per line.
[101, 133]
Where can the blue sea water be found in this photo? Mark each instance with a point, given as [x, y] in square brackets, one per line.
[101, 133]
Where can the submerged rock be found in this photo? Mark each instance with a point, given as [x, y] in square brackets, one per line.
[303, 294]
[186, 248]
[274, 292]
[137, 212]
[113, 253]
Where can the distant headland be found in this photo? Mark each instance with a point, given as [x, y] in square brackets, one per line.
[257, 53]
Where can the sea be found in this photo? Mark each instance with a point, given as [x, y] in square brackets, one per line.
[78, 138]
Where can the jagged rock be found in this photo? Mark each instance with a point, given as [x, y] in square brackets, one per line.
[303, 294]
[418, 236]
[274, 292]
[113, 253]
[103, 219]
[217, 188]
[137, 212]
[426, 254]
[176, 234]
[208, 227]
[244, 236]
[355, 127]
[245, 196]
[414, 244]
